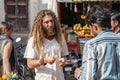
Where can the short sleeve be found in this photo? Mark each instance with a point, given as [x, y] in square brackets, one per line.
[64, 45]
[29, 51]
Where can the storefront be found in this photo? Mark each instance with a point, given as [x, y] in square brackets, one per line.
[71, 13]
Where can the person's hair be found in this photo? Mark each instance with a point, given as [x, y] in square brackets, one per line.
[6, 26]
[97, 14]
[115, 15]
[38, 33]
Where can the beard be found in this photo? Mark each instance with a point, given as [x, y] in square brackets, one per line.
[49, 33]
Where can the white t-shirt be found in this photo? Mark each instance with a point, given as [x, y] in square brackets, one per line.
[49, 71]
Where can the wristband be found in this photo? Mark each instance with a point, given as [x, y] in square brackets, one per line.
[41, 62]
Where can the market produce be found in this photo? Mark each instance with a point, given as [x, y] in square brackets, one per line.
[83, 17]
[77, 27]
[82, 31]
[4, 77]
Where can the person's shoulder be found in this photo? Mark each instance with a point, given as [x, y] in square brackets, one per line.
[108, 36]
[30, 39]
[6, 38]
[118, 34]
[91, 40]
[9, 40]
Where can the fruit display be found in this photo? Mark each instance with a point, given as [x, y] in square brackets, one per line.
[82, 31]
[10, 76]
[4, 77]
[88, 36]
[77, 27]
[86, 29]
[83, 17]
[0, 78]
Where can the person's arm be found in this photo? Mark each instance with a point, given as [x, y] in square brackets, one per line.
[32, 63]
[92, 63]
[31, 56]
[89, 66]
[6, 56]
[62, 60]
[77, 70]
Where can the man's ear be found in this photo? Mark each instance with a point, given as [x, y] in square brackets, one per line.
[116, 23]
[6, 30]
[95, 27]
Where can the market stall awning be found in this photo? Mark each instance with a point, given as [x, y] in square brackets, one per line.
[87, 0]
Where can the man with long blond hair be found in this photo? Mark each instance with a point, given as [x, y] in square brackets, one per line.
[46, 47]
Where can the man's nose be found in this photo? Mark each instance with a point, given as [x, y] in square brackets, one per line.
[50, 23]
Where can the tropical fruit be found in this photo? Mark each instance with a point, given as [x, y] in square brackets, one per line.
[83, 17]
[0, 78]
[77, 27]
[4, 77]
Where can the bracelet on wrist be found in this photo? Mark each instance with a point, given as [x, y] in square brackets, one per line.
[42, 61]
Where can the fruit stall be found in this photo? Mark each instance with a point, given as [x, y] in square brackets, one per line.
[71, 13]
[77, 37]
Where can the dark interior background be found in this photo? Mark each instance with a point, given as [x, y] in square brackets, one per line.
[69, 17]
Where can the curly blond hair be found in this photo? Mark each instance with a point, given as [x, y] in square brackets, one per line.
[37, 31]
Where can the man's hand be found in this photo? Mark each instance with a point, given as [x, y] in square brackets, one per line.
[55, 56]
[62, 62]
[77, 70]
[49, 60]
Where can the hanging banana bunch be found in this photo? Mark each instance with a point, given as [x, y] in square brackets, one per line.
[75, 8]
